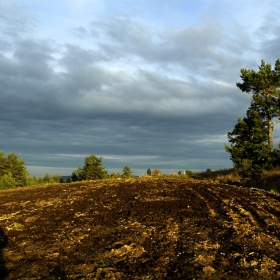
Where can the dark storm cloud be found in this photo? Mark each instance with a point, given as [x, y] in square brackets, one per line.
[197, 50]
[123, 89]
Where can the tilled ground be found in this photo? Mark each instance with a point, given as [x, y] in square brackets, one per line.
[160, 228]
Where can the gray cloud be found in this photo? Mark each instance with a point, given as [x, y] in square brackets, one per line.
[15, 21]
[160, 98]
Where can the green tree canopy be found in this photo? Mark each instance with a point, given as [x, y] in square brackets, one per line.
[264, 86]
[14, 166]
[57, 178]
[127, 172]
[48, 178]
[249, 149]
[251, 141]
[78, 175]
[92, 170]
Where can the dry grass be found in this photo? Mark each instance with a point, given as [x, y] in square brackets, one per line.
[231, 178]
[268, 180]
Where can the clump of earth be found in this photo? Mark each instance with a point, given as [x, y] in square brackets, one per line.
[157, 228]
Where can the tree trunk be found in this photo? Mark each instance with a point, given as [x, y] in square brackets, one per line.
[270, 135]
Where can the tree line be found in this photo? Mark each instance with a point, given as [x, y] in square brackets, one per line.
[93, 169]
[13, 172]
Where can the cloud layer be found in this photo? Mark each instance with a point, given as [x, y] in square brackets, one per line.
[146, 85]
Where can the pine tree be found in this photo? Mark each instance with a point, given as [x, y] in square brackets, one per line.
[264, 86]
[78, 175]
[252, 149]
[10, 164]
[249, 149]
[94, 169]
[127, 172]
[48, 178]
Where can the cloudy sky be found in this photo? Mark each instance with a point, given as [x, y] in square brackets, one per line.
[149, 84]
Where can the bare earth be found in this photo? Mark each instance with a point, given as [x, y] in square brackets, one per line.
[159, 228]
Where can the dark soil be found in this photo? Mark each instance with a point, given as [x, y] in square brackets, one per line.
[159, 228]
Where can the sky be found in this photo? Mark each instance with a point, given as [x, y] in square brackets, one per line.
[148, 84]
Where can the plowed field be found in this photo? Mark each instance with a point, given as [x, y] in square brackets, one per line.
[159, 228]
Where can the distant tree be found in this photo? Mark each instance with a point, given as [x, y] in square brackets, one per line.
[189, 172]
[32, 181]
[7, 181]
[78, 175]
[47, 178]
[127, 172]
[57, 178]
[149, 172]
[3, 168]
[92, 170]
[15, 166]
[115, 175]
[179, 172]
[40, 180]
[156, 172]
[208, 170]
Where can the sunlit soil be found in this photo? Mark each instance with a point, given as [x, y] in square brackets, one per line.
[159, 228]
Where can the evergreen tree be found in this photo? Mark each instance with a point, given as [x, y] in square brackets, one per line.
[57, 178]
[40, 180]
[252, 148]
[127, 172]
[3, 169]
[10, 164]
[264, 86]
[7, 181]
[78, 175]
[92, 170]
[48, 178]
[115, 175]
[249, 149]
[149, 171]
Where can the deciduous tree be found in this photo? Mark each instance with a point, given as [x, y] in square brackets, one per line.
[156, 172]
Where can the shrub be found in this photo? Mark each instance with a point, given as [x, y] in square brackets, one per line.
[189, 173]
[156, 172]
